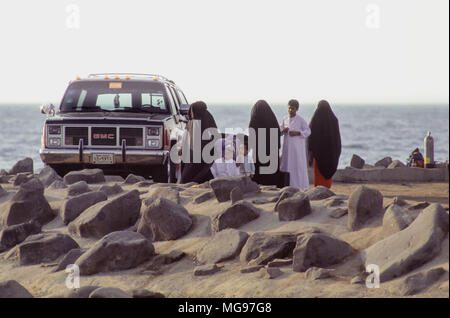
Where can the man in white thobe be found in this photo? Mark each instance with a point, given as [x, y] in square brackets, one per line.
[224, 165]
[293, 159]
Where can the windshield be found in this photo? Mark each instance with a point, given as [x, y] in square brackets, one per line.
[115, 96]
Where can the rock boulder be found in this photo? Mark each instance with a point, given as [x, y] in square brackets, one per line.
[224, 245]
[234, 216]
[261, 247]
[28, 204]
[73, 207]
[105, 217]
[116, 251]
[318, 250]
[44, 248]
[223, 186]
[406, 250]
[25, 165]
[363, 204]
[294, 208]
[88, 175]
[164, 220]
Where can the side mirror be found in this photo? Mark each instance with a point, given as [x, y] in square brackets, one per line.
[184, 109]
[48, 109]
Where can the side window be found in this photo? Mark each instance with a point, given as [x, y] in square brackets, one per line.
[171, 101]
[181, 97]
[174, 96]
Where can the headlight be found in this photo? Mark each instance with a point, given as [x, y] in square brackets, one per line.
[54, 142]
[54, 130]
[153, 131]
[154, 143]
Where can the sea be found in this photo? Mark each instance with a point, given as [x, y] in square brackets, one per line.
[370, 131]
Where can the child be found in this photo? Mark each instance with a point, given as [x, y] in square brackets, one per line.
[246, 168]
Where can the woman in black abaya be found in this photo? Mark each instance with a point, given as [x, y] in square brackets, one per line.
[262, 116]
[324, 144]
[197, 172]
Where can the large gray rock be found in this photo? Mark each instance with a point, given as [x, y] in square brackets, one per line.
[363, 204]
[82, 292]
[406, 250]
[164, 220]
[224, 245]
[105, 217]
[78, 188]
[385, 162]
[12, 289]
[396, 164]
[133, 179]
[357, 162]
[111, 190]
[156, 192]
[25, 165]
[203, 197]
[73, 207]
[48, 176]
[88, 175]
[109, 292]
[285, 193]
[70, 258]
[116, 251]
[261, 247]
[2, 191]
[28, 204]
[236, 195]
[315, 273]
[22, 178]
[318, 250]
[57, 185]
[234, 216]
[208, 269]
[145, 293]
[319, 193]
[223, 186]
[396, 219]
[43, 248]
[294, 208]
[15, 234]
[416, 283]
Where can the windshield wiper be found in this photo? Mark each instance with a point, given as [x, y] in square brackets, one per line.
[89, 109]
[137, 110]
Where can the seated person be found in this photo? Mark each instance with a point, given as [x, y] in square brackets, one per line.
[225, 165]
[246, 166]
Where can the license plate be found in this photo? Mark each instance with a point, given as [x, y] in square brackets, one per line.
[103, 158]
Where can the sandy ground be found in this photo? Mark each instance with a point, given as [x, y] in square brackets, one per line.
[177, 279]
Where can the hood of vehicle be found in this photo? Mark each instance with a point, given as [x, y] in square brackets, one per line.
[108, 115]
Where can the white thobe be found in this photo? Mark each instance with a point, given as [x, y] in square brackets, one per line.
[293, 158]
[224, 168]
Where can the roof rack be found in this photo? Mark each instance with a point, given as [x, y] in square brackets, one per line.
[130, 75]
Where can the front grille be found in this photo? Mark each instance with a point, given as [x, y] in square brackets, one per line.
[103, 136]
[132, 136]
[74, 134]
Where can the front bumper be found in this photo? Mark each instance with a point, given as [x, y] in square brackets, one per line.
[131, 157]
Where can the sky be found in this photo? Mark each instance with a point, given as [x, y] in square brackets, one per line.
[347, 51]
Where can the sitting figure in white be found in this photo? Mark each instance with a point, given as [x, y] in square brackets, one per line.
[225, 165]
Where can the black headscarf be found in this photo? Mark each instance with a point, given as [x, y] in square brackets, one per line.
[198, 172]
[324, 143]
[262, 116]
